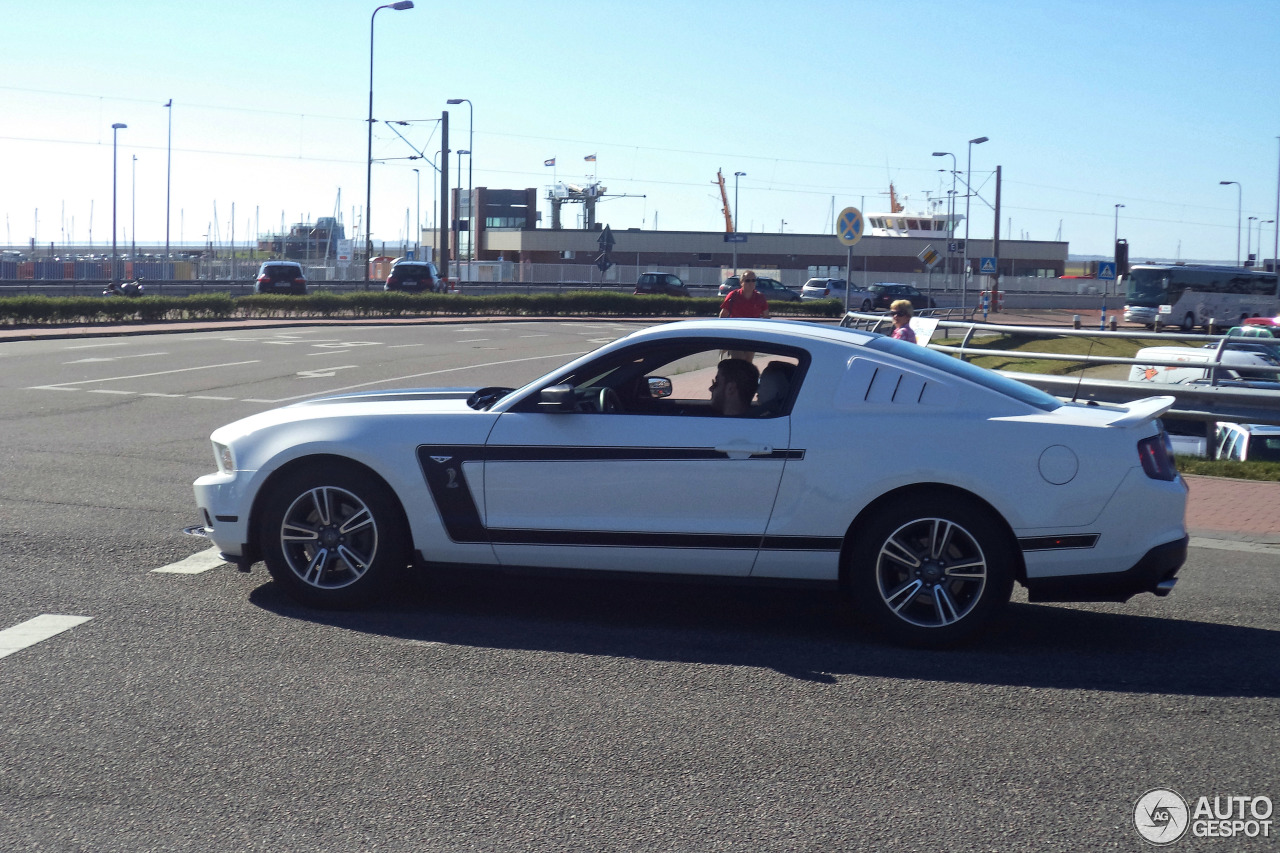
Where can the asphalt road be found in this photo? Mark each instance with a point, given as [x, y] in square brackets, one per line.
[200, 710]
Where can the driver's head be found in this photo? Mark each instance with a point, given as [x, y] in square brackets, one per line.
[734, 386]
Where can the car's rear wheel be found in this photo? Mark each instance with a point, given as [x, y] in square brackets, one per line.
[1188, 322]
[332, 535]
[929, 570]
[866, 305]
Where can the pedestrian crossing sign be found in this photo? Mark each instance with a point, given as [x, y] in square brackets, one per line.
[1107, 272]
[987, 267]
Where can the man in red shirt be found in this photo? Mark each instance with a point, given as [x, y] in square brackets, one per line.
[745, 301]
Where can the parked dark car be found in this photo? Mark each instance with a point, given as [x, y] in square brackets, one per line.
[886, 294]
[280, 277]
[414, 277]
[661, 282]
[771, 288]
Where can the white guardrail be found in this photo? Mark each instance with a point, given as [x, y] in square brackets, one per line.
[1217, 399]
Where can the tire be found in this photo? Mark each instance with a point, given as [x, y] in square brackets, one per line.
[333, 536]
[866, 306]
[1188, 322]
[923, 600]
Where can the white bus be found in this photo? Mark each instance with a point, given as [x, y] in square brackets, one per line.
[1190, 295]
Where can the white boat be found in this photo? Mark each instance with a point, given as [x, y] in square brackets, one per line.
[899, 223]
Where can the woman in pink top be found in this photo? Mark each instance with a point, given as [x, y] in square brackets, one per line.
[901, 310]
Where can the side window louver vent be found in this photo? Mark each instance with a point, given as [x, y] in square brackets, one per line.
[868, 383]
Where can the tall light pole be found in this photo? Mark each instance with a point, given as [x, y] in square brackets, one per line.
[471, 145]
[1115, 237]
[458, 231]
[968, 193]
[1261, 260]
[1248, 240]
[417, 217]
[1239, 198]
[951, 212]
[368, 180]
[133, 212]
[115, 272]
[168, 182]
[736, 175]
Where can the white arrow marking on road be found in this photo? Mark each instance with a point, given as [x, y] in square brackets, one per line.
[195, 564]
[320, 374]
[34, 630]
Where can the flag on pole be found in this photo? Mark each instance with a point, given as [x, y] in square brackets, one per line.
[550, 162]
[590, 158]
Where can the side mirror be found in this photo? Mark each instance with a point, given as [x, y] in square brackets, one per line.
[659, 387]
[558, 398]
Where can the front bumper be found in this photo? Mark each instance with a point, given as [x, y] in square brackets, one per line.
[1154, 573]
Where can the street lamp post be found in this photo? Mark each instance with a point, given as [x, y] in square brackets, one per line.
[951, 212]
[458, 231]
[417, 219]
[968, 193]
[471, 145]
[1261, 260]
[115, 271]
[1248, 240]
[736, 175]
[133, 211]
[399, 6]
[168, 182]
[1239, 197]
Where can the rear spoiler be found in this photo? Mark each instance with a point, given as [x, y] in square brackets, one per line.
[1140, 411]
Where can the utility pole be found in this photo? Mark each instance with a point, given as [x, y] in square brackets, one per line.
[995, 250]
[443, 263]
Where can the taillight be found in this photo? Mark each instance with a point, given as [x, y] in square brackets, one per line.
[826, 292]
[1156, 455]
[262, 279]
[299, 280]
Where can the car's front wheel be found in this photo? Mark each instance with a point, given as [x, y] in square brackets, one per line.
[332, 535]
[930, 571]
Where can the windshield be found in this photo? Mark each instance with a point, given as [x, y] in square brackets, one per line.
[1146, 287]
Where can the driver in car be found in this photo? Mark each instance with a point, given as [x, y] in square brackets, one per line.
[734, 386]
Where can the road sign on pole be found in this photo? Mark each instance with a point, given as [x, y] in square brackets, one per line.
[849, 226]
[1107, 271]
[987, 266]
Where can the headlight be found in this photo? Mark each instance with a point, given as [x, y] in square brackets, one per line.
[225, 458]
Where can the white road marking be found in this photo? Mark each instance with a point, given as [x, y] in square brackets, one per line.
[102, 391]
[403, 346]
[67, 385]
[97, 346]
[95, 359]
[324, 371]
[157, 394]
[195, 564]
[471, 341]
[543, 335]
[35, 630]
[209, 397]
[404, 379]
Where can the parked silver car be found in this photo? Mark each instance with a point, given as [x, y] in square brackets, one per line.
[834, 288]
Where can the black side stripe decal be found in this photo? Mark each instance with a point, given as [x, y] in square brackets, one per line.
[442, 468]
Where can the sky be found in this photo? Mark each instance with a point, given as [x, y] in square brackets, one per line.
[1086, 105]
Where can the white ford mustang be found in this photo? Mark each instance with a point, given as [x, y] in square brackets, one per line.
[618, 462]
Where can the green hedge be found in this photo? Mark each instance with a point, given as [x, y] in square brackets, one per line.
[81, 310]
